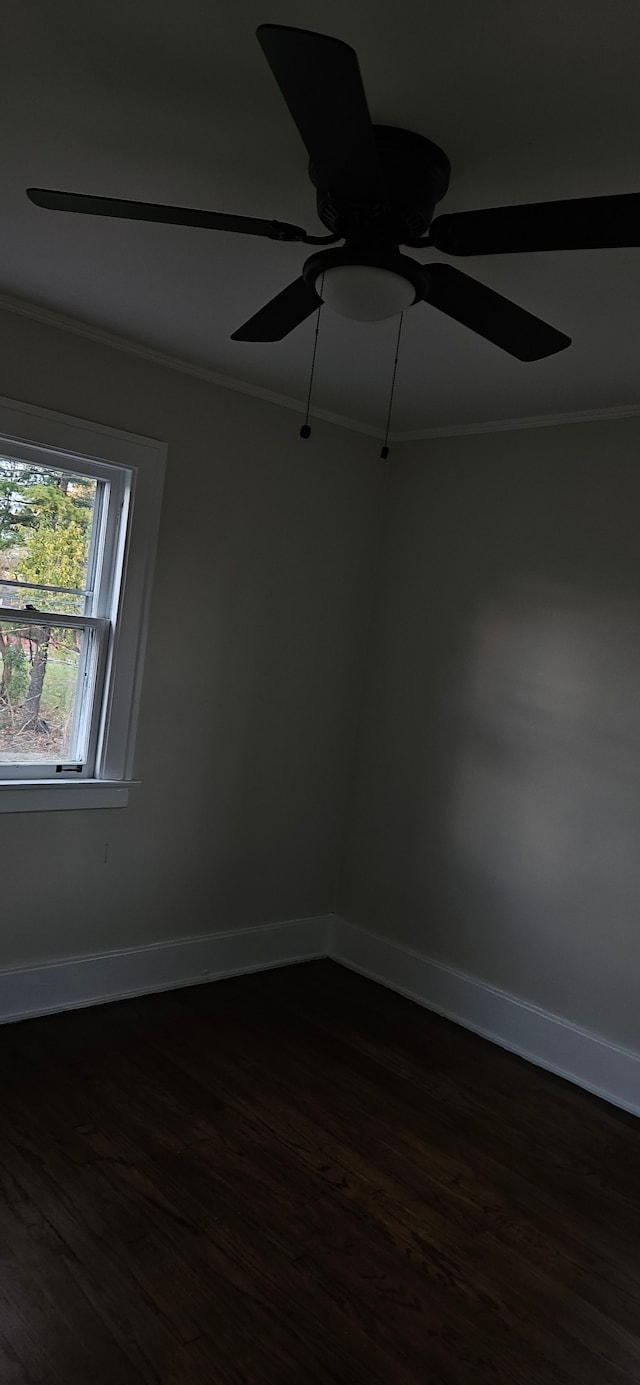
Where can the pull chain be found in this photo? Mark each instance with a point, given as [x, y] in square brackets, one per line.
[305, 431]
[384, 453]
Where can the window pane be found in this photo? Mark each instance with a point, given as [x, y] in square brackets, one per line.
[46, 526]
[15, 598]
[46, 679]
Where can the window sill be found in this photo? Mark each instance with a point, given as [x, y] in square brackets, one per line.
[48, 796]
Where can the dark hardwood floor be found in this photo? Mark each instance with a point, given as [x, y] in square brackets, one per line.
[300, 1177]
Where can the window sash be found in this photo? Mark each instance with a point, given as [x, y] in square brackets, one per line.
[42, 587]
[111, 516]
[16, 615]
[90, 692]
[102, 601]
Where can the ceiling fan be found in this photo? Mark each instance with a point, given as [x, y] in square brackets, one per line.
[377, 187]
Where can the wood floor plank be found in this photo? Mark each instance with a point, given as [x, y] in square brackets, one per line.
[12, 1371]
[300, 1178]
[297, 1133]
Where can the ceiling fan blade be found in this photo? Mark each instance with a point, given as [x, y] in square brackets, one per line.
[320, 80]
[169, 216]
[493, 317]
[582, 223]
[279, 317]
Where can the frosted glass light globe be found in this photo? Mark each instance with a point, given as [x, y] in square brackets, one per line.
[365, 292]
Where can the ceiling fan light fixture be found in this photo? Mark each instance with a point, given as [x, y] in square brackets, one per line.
[365, 293]
[377, 188]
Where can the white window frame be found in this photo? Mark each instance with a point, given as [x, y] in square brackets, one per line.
[135, 466]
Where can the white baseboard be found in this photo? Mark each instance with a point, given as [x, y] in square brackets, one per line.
[78, 981]
[587, 1059]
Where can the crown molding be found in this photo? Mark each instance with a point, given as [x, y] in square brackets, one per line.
[50, 317]
[509, 425]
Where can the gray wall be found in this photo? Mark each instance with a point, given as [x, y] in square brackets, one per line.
[495, 822]
[494, 818]
[264, 565]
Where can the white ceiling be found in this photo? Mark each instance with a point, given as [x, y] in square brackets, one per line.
[172, 101]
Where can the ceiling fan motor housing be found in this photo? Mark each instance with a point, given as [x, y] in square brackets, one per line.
[416, 174]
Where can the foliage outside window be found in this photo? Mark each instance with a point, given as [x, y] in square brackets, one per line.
[47, 519]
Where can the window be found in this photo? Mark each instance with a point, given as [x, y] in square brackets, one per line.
[79, 512]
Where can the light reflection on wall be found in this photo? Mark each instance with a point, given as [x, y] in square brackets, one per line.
[547, 784]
